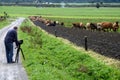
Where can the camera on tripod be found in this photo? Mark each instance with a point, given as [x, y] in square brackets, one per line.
[18, 50]
[20, 42]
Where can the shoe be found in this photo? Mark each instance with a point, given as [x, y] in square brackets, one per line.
[13, 62]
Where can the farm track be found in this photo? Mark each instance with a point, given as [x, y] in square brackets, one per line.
[104, 43]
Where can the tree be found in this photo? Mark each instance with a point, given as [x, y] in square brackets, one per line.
[97, 5]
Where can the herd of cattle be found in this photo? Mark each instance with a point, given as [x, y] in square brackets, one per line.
[45, 21]
[103, 26]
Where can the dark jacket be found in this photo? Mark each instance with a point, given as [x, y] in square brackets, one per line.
[11, 36]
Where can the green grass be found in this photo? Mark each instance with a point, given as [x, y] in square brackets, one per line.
[66, 15]
[48, 58]
[110, 13]
[4, 23]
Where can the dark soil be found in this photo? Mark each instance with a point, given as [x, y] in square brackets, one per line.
[105, 43]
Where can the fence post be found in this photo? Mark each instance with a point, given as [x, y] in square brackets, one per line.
[55, 33]
[86, 46]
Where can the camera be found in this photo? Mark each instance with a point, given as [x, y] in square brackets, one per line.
[20, 42]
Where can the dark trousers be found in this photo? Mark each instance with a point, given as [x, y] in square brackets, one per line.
[9, 52]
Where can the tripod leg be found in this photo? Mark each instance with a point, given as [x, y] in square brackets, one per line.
[17, 55]
[22, 54]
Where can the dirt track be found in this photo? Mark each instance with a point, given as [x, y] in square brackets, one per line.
[104, 43]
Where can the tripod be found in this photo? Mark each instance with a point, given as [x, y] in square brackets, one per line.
[17, 54]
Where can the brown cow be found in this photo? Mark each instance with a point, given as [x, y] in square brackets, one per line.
[106, 25]
[79, 25]
[33, 18]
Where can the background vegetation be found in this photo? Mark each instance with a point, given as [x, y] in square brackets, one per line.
[4, 23]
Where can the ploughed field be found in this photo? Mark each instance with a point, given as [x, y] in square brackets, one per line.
[105, 43]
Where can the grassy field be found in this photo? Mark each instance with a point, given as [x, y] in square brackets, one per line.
[107, 13]
[66, 15]
[48, 58]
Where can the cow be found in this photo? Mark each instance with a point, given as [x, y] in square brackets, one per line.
[62, 24]
[51, 23]
[78, 25]
[99, 28]
[106, 25]
[115, 26]
[33, 18]
[91, 26]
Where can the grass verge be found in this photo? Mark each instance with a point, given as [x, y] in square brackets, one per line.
[48, 58]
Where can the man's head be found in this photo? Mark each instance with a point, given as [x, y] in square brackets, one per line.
[15, 27]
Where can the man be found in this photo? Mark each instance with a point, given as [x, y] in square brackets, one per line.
[10, 37]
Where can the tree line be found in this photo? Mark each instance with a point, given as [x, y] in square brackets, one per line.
[66, 1]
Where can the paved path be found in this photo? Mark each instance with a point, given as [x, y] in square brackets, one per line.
[13, 71]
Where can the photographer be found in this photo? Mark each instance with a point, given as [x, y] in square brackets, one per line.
[10, 37]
